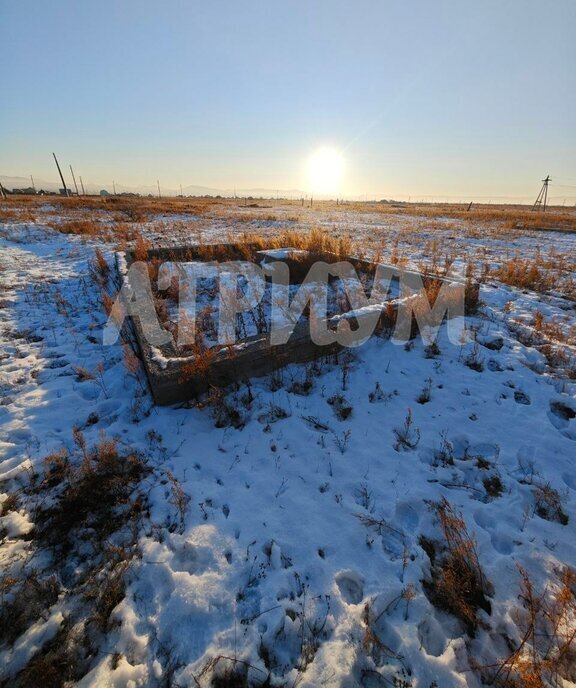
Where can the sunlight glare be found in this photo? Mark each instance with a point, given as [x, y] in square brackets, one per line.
[325, 171]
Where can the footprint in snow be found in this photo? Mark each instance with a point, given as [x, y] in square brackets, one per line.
[192, 559]
[502, 543]
[407, 516]
[484, 520]
[88, 392]
[562, 411]
[521, 398]
[570, 480]
[351, 586]
[432, 636]
[563, 417]
[494, 343]
[57, 363]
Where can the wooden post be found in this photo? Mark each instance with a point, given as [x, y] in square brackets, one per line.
[74, 180]
[82, 185]
[61, 175]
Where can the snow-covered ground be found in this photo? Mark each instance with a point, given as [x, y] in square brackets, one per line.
[294, 554]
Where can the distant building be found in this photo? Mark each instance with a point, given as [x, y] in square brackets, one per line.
[65, 192]
[103, 192]
[27, 190]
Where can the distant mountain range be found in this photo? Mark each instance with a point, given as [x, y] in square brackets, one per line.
[10, 182]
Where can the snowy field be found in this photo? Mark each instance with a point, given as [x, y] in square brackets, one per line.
[311, 528]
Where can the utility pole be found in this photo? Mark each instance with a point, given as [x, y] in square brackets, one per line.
[2, 192]
[181, 194]
[61, 175]
[158, 185]
[114, 187]
[74, 180]
[33, 185]
[82, 185]
[542, 199]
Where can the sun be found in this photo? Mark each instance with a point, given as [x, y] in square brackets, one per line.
[325, 171]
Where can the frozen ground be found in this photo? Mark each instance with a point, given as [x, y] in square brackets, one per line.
[267, 563]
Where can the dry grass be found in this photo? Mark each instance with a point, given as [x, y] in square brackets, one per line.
[546, 653]
[554, 338]
[457, 585]
[548, 504]
[510, 217]
[92, 228]
[407, 435]
[30, 596]
[93, 494]
[81, 502]
[525, 273]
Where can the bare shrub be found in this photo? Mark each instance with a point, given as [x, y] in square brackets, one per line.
[425, 395]
[342, 440]
[106, 588]
[225, 413]
[407, 436]
[340, 406]
[474, 360]
[178, 498]
[445, 454]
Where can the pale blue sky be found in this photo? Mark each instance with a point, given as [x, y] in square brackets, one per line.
[444, 97]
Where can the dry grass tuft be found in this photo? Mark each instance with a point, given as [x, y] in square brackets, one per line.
[86, 505]
[29, 598]
[90, 228]
[525, 273]
[458, 585]
[95, 494]
[546, 653]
